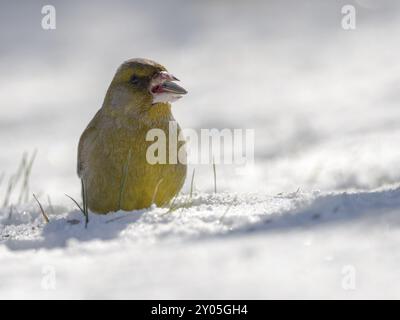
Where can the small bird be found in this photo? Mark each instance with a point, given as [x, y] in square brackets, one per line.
[112, 160]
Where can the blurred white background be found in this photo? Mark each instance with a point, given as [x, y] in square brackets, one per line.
[323, 101]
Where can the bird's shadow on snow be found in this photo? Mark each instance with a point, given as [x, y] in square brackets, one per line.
[380, 208]
[60, 231]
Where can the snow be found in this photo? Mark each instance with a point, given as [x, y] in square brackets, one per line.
[227, 245]
[316, 216]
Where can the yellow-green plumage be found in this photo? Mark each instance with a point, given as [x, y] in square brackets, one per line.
[112, 150]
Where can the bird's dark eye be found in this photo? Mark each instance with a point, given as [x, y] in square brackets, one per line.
[134, 80]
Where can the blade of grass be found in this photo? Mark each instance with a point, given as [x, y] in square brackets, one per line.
[156, 191]
[26, 176]
[215, 176]
[76, 202]
[84, 207]
[10, 188]
[13, 181]
[2, 177]
[10, 213]
[171, 206]
[188, 203]
[227, 210]
[85, 203]
[41, 209]
[125, 170]
[192, 184]
[50, 204]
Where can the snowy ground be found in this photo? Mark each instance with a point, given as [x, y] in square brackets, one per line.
[324, 104]
[299, 245]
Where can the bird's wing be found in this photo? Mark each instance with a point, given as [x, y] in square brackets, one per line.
[87, 137]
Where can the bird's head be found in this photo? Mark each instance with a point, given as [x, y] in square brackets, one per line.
[144, 84]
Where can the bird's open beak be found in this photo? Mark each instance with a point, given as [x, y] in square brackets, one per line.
[164, 89]
[169, 86]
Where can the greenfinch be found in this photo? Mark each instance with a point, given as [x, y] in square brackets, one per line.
[112, 163]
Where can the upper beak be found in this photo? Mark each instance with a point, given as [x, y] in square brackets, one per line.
[168, 84]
